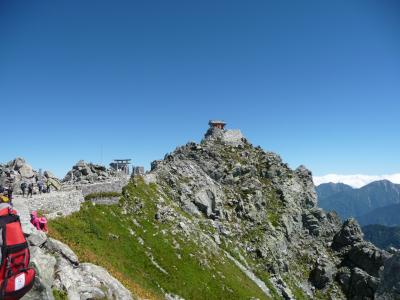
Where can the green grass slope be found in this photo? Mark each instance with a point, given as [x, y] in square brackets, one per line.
[150, 257]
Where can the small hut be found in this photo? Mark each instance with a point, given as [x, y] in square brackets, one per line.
[217, 124]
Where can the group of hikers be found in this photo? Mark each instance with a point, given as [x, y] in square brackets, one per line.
[6, 197]
[28, 188]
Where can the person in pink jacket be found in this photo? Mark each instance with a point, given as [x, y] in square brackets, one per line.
[40, 223]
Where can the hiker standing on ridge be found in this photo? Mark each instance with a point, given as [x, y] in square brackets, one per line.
[30, 190]
[40, 187]
[23, 188]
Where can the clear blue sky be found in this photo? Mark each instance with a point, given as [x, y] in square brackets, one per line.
[316, 81]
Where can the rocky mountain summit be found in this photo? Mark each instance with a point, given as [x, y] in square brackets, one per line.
[266, 213]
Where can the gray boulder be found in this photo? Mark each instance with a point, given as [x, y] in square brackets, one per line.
[357, 284]
[26, 171]
[205, 201]
[64, 250]
[366, 256]
[322, 274]
[18, 163]
[363, 285]
[36, 238]
[44, 264]
[88, 281]
[349, 234]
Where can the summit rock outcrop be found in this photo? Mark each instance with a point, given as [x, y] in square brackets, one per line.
[269, 214]
[83, 173]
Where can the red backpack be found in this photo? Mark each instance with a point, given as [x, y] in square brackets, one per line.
[16, 278]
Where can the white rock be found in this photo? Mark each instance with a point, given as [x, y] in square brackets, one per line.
[37, 238]
[88, 281]
[64, 250]
[44, 264]
[26, 171]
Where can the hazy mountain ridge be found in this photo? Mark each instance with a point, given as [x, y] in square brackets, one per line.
[349, 202]
[387, 215]
[327, 189]
[382, 236]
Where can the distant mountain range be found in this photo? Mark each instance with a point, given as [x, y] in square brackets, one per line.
[376, 206]
[326, 190]
[375, 203]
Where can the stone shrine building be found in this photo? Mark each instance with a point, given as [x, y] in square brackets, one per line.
[217, 124]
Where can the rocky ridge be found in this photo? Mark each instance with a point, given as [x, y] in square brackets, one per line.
[268, 214]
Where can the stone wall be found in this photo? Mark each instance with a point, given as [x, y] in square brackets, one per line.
[70, 199]
[233, 137]
[101, 187]
[56, 204]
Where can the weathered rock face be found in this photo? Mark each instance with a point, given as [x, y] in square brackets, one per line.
[349, 235]
[269, 213]
[390, 287]
[83, 172]
[58, 268]
[26, 171]
[17, 171]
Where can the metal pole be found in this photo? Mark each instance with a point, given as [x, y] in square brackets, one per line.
[101, 154]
